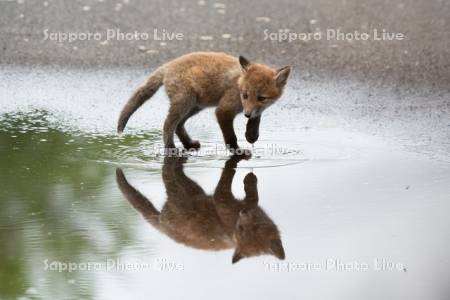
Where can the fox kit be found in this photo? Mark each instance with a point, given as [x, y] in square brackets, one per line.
[204, 79]
[210, 222]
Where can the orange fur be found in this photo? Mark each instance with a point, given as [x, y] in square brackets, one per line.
[204, 79]
[209, 222]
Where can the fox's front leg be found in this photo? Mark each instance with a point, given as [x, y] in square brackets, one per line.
[223, 191]
[225, 118]
[229, 106]
[251, 189]
[252, 129]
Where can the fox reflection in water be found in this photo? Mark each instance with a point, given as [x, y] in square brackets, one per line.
[210, 222]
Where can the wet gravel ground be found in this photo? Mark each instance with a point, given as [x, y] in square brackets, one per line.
[420, 60]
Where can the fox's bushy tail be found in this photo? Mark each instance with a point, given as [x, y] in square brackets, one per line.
[142, 94]
[137, 200]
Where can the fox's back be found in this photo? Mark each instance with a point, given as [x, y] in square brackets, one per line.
[212, 63]
[207, 74]
[193, 221]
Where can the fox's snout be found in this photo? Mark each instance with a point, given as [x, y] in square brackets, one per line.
[245, 212]
[250, 115]
[251, 112]
[247, 215]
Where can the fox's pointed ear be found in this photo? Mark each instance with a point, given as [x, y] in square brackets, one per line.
[282, 76]
[237, 256]
[245, 63]
[277, 248]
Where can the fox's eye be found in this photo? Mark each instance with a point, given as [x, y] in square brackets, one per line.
[244, 95]
[261, 98]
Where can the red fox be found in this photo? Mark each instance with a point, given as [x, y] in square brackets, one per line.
[204, 79]
[210, 222]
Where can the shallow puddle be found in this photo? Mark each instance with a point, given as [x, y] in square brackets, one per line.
[87, 214]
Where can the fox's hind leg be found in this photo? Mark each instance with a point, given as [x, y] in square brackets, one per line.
[184, 137]
[173, 189]
[180, 106]
[172, 120]
[187, 187]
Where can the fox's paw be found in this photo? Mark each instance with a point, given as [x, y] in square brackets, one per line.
[251, 136]
[250, 179]
[192, 145]
[244, 153]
